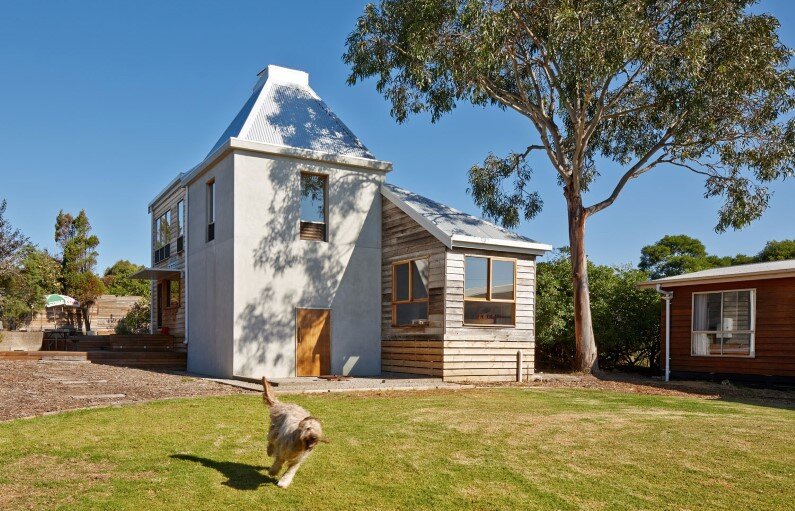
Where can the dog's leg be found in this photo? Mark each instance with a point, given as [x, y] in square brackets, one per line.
[276, 466]
[292, 468]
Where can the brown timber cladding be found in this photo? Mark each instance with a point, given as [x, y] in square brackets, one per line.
[411, 349]
[173, 317]
[774, 337]
[446, 347]
[488, 353]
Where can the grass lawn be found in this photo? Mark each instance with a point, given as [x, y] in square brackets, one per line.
[474, 449]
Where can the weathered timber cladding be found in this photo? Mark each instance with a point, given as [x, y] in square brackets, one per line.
[414, 349]
[104, 314]
[774, 339]
[173, 317]
[488, 353]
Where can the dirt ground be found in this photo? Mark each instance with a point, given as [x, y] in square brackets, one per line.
[36, 388]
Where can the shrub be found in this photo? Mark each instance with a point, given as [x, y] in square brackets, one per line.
[136, 321]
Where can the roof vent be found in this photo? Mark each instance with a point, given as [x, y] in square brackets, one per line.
[282, 75]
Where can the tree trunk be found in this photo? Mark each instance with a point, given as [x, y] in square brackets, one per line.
[86, 319]
[585, 359]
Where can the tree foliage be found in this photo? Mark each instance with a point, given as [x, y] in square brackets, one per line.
[136, 321]
[12, 243]
[118, 282]
[38, 275]
[626, 319]
[777, 251]
[78, 259]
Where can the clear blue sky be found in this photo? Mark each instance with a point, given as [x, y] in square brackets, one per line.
[103, 103]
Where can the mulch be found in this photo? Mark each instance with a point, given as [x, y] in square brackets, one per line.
[31, 388]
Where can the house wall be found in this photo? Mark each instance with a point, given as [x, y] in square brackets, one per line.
[276, 272]
[411, 349]
[774, 339]
[210, 275]
[488, 353]
[173, 317]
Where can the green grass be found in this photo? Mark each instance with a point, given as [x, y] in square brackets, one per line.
[478, 449]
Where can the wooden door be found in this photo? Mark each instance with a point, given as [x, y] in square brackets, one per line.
[313, 342]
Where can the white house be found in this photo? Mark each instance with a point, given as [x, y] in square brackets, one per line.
[284, 253]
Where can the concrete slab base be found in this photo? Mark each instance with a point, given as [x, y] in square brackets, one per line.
[312, 385]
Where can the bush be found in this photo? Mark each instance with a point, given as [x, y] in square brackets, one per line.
[136, 321]
[626, 319]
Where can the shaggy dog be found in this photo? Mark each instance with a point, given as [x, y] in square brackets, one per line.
[292, 436]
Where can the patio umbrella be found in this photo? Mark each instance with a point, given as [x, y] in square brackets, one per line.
[60, 301]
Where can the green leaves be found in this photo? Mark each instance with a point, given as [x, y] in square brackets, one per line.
[702, 85]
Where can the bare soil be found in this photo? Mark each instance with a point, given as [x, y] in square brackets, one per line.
[30, 388]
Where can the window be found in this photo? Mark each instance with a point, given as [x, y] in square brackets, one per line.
[410, 292]
[723, 323]
[314, 189]
[489, 291]
[163, 237]
[180, 226]
[211, 211]
[173, 293]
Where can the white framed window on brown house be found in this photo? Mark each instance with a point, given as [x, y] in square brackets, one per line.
[314, 207]
[489, 291]
[410, 292]
[210, 210]
[724, 323]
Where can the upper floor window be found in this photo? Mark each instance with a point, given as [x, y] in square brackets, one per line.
[162, 237]
[314, 191]
[410, 292]
[211, 210]
[724, 323]
[180, 225]
[489, 291]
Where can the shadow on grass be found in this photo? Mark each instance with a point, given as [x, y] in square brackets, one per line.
[240, 476]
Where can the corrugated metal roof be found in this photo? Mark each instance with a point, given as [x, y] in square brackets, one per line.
[456, 227]
[284, 110]
[729, 272]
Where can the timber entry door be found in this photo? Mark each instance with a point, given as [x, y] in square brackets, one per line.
[313, 342]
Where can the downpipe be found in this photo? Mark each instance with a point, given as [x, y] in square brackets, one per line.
[667, 296]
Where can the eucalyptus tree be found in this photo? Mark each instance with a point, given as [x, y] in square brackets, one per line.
[613, 89]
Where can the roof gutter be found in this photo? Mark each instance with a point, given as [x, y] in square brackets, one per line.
[522, 247]
[740, 277]
[279, 150]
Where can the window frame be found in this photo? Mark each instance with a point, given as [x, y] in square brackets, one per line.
[170, 304]
[411, 299]
[489, 273]
[752, 331]
[325, 222]
[210, 210]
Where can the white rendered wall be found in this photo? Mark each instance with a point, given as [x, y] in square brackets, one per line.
[211, 274]
[276, 272]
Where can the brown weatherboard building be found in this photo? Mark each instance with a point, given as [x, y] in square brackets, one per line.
[735, 323]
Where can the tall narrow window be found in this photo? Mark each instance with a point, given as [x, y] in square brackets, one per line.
[173, 293]
[489, 291]
[211, 210]
[724, 323]
[162, 237]
[410, 292]
[180, 226]
[314, 190]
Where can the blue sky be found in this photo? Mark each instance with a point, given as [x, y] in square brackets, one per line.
[102, 103]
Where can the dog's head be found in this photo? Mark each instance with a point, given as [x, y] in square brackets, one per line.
[311, 432]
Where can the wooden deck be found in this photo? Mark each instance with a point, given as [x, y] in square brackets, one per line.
[143, 351]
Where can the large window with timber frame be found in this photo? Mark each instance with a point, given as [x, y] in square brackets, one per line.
[163, 237]
[489, 291]
[314, 192]
[724, 323]
[410, 292]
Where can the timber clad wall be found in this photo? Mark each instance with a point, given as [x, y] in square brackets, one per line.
[446, 347]
[104, 315]
[412, 349]
[488, 353]
[774, 339]
[173, 317]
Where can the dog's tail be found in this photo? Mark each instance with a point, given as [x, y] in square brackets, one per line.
[267, 395]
